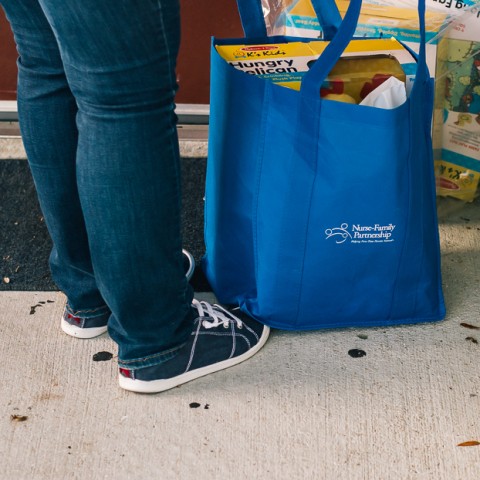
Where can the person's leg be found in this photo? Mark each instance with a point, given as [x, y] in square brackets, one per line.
[47, 112]
[119, 57]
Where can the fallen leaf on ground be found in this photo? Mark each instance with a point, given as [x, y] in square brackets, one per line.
[18, 418]
[472, 327]
[470, 443]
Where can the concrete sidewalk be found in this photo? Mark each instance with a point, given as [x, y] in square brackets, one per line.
[300, 409]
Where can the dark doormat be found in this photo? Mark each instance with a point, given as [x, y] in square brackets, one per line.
[24, 242]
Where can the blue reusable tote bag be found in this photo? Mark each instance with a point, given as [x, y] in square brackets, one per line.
[320, 214]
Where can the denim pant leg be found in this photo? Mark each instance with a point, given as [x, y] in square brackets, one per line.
[47, 112]
[119, 57]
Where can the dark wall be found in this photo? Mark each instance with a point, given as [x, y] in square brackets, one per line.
[200, 20]
[8, 56]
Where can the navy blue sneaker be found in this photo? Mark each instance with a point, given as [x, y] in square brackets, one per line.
[95, 323]
[220, 339]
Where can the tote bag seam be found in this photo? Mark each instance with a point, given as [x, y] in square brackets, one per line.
[431, 181]
[307, 223]
[407, 229]
[438, 263]
[410, 202]
[423, 215]
[259, 170]
[426, 138]
[419, 275]
[206, 225]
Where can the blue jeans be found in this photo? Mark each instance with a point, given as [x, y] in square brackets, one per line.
[96, 89]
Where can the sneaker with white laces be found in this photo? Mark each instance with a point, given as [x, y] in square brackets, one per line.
[94, 324]
[220, 339]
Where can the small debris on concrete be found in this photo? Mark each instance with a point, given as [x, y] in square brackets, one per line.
[471, 327]
[34, 308]
[362, 336]
[357, 353]
[18, 418]
[471, 339]
[194, 405]
[102, 356]
[207, 406]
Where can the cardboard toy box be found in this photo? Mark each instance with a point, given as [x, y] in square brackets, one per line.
[376, 20]
[363, 66]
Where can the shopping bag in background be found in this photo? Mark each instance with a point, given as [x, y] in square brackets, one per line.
[320, 213]
[457, 109]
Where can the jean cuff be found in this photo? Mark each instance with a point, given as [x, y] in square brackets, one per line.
[150, 360]
[89, 312]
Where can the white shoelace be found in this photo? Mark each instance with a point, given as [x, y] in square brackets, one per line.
[218, 315]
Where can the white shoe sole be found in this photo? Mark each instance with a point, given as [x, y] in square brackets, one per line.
[156, 386]
[78, 332]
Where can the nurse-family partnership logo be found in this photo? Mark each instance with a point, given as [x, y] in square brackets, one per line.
[361, 233]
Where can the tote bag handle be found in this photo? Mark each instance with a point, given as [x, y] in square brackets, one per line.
[315, 77]
[253, 22]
